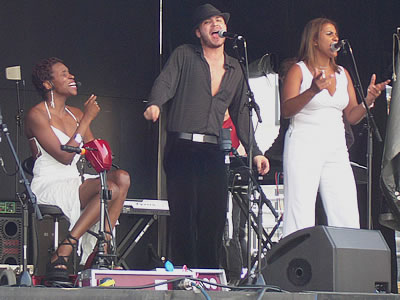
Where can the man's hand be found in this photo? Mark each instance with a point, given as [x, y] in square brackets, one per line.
[152, 113]
[262, 164]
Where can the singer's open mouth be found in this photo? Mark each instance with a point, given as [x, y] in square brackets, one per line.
[73, 84]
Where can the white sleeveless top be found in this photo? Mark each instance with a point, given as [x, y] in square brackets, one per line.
[324, 113]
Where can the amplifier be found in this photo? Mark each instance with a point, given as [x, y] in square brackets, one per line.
[10, 240]
[11, 232]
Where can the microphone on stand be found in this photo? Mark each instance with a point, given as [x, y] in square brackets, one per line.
[335, 47]
[72, 149]
[229, 35]
[78, 83]
[78, 150]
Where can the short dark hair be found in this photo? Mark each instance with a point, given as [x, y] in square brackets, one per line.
[42, 72]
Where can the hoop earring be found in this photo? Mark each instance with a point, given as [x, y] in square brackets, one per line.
[52, 99]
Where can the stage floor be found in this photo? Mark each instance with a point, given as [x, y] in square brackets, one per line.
[113, 293]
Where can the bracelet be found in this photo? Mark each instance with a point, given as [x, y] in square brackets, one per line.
[78, 138]
[363, 105]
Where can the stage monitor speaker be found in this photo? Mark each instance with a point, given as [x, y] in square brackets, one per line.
[10, 240]
[333, 259]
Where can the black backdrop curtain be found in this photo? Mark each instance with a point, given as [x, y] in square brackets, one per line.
[113, 48]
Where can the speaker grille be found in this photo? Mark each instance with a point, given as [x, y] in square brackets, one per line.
[10, 240]
[299, 272]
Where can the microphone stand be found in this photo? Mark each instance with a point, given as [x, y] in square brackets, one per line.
[261, 233]
[372, 129]
[252, 105]
[19, 119]
[25, 278]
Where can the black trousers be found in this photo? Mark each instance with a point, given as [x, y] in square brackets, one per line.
[197, 195]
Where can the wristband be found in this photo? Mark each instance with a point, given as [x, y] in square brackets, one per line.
[78, 138]
[363, 105]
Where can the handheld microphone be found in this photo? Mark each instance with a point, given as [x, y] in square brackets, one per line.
[335, 47]
[72, 149]
[229, 35]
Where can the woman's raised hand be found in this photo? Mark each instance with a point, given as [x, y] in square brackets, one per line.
[92, 108]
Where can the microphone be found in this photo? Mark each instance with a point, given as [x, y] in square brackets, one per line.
[78, 83]
[72, 149]
[335, 47]
[229, 35]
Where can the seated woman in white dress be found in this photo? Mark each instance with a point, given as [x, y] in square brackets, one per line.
[56, 180]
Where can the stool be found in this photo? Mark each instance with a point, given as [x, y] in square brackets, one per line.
[56, 213]
[49, 210]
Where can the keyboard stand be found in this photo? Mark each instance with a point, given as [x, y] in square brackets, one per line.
[150, 220]
[148, 212]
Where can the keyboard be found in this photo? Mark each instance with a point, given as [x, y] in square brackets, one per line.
[146, 207]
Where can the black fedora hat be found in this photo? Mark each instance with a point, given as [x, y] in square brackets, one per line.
[206, 11]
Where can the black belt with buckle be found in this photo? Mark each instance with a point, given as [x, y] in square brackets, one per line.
[198, 137]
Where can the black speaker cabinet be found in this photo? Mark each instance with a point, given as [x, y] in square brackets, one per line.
[10, 240]
[333, 259]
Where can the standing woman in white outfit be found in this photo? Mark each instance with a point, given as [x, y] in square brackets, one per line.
[317, 94]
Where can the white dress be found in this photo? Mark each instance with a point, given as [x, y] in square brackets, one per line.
[54, 183]
[316, 159]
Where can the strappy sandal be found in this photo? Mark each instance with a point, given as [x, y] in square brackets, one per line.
[58, 269]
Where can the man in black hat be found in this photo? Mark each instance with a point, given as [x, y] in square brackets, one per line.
[200, 83]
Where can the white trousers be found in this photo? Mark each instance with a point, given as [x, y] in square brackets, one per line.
[312, 165]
